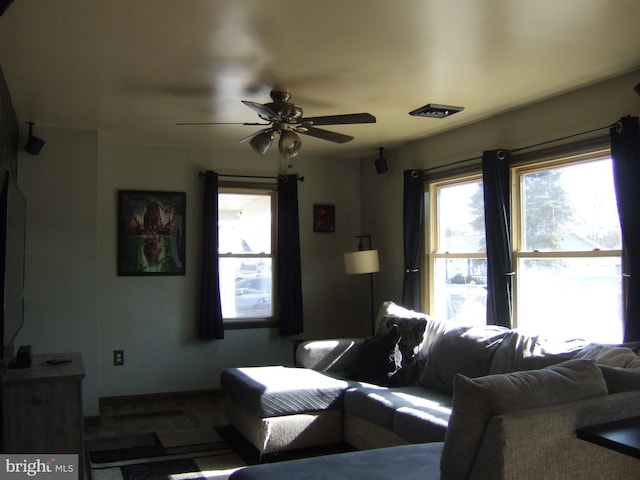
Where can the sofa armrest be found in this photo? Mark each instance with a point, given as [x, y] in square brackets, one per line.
[332, 355]
[541, 442]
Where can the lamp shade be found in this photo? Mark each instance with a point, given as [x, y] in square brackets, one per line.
[361, 261]
[289, 144]
[261, 142]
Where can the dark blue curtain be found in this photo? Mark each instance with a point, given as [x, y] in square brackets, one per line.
[289, 267]
[625, 152]
[412, 226]
[495, 177]
[210, 322]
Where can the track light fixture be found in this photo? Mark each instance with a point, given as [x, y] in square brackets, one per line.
[34, 144]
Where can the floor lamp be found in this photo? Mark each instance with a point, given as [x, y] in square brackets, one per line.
[363, 261]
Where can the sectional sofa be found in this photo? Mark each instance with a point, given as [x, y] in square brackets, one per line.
[421, 382]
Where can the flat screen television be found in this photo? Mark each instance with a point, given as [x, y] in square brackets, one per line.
[13, 217]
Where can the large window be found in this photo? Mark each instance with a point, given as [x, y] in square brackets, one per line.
[246, 238]
[567, 249]
[458, 260]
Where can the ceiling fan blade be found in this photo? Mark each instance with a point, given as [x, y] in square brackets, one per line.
[265, 112]
[325, 135]
[340, 119]
[255, 134]
[222, 123]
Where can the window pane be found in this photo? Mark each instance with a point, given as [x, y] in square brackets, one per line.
[244, 223]
[245, 233]
[571, 298]
[460, 290]
[461, 218]
[246, 287]
[570, 208]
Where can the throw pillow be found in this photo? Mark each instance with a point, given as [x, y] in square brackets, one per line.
[475, 401]
[412, 327]
[620, 379]
[379, 360]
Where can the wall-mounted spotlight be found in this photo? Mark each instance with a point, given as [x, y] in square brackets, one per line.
[381, 163]
[637, 88]
[34, 144]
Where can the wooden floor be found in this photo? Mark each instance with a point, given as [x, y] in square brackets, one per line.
[157, 413]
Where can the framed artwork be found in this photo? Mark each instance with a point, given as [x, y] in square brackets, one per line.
[151, 232]
[324, 218]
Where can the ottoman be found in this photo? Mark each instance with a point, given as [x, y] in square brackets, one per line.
[281, 408]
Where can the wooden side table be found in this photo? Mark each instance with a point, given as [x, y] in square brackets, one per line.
[621, 435]
[42, 407]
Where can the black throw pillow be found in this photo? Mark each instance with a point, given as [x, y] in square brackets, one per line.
[380, 360]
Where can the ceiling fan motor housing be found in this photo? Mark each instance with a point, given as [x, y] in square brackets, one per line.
[288, 112]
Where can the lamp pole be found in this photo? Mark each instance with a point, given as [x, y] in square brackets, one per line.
[363, 261]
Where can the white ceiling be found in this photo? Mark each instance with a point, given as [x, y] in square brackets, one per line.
[133, 68]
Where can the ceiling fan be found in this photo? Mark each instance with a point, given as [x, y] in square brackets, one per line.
[285, 118]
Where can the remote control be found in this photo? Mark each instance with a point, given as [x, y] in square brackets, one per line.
[56, 361]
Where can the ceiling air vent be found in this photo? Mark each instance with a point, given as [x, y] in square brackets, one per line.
[434, 110]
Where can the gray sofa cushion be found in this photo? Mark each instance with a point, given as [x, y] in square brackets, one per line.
[460, 349]
[422, 425]
[410, 462]
[518, 352]
[620, 379]
[413, 412]
[275, 391]
[475, 401]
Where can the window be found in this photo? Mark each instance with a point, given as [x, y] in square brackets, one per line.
[458, 260]
[568, 250]
[246, 233]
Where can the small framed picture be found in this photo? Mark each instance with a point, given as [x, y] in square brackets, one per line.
[151, 232]
[324, 218]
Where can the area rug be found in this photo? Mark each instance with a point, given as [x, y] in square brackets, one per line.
[190, 454]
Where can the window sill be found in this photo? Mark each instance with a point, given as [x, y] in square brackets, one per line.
[242, 324]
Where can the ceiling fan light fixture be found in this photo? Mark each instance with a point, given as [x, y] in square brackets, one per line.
[262, 142]
[289, 143]
[435, 110]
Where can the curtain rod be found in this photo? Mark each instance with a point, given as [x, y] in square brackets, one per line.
[560, 139]
[300, 179]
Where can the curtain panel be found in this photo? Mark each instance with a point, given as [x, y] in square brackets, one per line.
[289, 271]
[210, 321]
[495, 178]
[412, 227]
[625, 153]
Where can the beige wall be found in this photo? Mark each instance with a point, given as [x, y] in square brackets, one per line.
[76, 302]
[583, 110]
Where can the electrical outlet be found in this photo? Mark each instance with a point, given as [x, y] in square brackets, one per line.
[118, 357]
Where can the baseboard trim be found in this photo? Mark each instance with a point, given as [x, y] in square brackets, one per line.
[156, 397]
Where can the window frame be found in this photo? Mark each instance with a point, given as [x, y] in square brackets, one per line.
[542, 163]
[431, 249]
[256, 188]
[541, 159]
